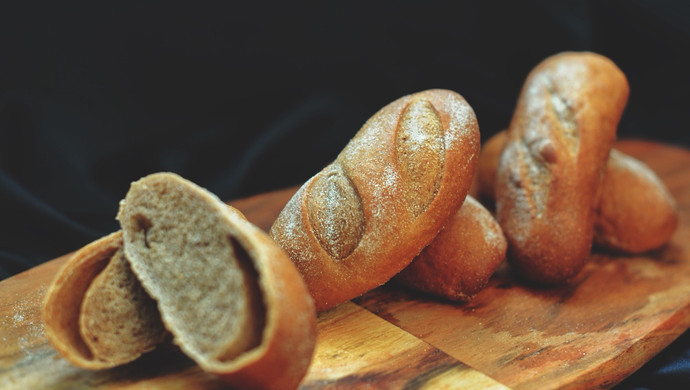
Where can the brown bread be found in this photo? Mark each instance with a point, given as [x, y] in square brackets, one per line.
[364, 217]
[231, 298]
[460, 261]
[118, 320]
[636, 213]
[549, 175]
[86, 316]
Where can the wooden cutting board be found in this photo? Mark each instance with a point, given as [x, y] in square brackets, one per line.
[618, 313]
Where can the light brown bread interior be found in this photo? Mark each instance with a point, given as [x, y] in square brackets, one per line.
[186, 258]
[62, 306]
[636, 212]
[118, 320]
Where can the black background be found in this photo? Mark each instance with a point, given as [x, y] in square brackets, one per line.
[244, 98]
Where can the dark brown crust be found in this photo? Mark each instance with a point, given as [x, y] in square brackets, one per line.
[377, 162]
[460, 261]
[549, 174]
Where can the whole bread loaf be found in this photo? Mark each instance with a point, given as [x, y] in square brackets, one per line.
[364, 217]
[231, 298]
[549, 174]
[460, 261]
[636, 212]
[96, 314]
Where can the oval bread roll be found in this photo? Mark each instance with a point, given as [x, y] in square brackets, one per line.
[364, 217]
[460, 261]
[636, 213]
[549, 174]
[231, 298]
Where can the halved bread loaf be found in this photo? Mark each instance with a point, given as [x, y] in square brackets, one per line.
[118, 320]
[229, 295]
[96, 314]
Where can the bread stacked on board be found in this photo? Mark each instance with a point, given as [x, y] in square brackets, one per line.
[549, 174]
[228, 295]
[393, 204]
[635, 213]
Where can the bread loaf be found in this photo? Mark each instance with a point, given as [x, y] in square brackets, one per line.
[460, 261]
[231, 298]
[635, 213]
[487, 166]
[549, 174]
[118, 320]
[95, 313]
[365, 216]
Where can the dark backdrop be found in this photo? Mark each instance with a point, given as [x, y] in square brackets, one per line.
[247, 98]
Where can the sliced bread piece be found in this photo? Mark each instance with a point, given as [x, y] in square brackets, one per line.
[232, 299]
[118, 320]
[93, 321]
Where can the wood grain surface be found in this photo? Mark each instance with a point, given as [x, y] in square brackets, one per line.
[592, 333]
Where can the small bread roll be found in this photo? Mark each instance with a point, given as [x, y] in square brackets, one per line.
[636, 212]
[460, 261]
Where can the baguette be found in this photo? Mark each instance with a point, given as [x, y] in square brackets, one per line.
[95, 313]
[364, 217]
[460, 261]
[229, 296]
[549, 174]
[635, 213]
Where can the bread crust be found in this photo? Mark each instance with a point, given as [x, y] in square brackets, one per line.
[363, 218]
[460, 261]
[549, 174]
